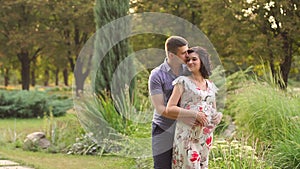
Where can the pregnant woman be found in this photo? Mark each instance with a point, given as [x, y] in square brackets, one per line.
[194, 93]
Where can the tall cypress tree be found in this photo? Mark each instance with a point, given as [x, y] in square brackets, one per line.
[106, 12]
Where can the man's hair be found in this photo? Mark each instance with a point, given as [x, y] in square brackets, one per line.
[173, 43]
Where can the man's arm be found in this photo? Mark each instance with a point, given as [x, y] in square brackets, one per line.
[189, 117]
[158, 103]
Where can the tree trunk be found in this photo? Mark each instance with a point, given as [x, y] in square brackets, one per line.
[46, 79]
[285, 66]
[33, 81]
[6, 77]
[25, 68]
[80, 76]
[32, 77]
[56, 77]
[65, 74]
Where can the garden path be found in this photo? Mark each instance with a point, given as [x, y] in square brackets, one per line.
[7, 164]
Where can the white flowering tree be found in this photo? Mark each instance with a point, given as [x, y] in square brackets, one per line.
[276, 23]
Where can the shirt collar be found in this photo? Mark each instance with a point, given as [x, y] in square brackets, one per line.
[166, 67]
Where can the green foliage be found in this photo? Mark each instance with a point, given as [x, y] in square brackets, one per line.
[124, 122]
[28, 104]
[266, 113]
[85, 145]
[23, 104]
[235, 154]
[237, 80]
[108, 54]
[285, 153]
[59, 106]
[61, 132]
[119, 114]
[260, 106]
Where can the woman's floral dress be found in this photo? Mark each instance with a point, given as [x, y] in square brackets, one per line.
[192, 144]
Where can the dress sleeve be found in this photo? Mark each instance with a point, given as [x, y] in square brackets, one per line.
[212, 86]
[179, 80]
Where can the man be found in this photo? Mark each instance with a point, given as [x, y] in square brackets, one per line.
[160, 88]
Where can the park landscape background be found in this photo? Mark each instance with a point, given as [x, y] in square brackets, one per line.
[257, 42]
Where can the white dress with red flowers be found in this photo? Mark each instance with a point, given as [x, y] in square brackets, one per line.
[192, 144]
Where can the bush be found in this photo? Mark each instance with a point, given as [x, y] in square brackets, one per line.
[85, 145]
[265, 112]
[270, 115]
[62, 132]
[29, 104]
[236, 154]
[285, 153]
[117, 125]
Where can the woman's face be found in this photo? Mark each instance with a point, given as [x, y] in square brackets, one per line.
[193, 62]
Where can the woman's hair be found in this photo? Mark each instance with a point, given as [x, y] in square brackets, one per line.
[173, 43]
[205, 68]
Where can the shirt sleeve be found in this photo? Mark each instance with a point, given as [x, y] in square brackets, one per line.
[155, 84]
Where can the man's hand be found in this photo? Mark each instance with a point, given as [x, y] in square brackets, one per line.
[191, 121]
[217, 117]
[201, 118]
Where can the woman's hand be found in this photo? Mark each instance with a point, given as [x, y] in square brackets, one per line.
[201, 118]
[217, 117]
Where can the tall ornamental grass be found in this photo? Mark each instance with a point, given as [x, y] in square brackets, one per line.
[120, 125]
[285, 153]
[266, 113]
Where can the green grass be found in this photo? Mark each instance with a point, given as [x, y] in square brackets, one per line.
[269, 115]
[40, 160]
[236, 154]
[259, 106]
[14, 131]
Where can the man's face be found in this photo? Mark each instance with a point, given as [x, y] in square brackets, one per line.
[182, 53]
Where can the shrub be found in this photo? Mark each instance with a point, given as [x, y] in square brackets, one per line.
[23, 104]
[285, 153]
[61, 132]
[265, 112]
[236, 154]
[117, 125]
[85, 145]
[270, 115]
[28, 104]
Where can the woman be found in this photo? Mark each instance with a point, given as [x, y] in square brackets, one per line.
[194, 93]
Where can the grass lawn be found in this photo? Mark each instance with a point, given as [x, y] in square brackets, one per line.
[15, 130]
[40, 160]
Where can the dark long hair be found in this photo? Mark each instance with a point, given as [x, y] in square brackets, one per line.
[204, 57]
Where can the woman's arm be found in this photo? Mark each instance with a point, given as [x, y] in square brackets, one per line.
[188, 116]
[217, 116]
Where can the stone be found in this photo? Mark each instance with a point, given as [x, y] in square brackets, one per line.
[36, 140]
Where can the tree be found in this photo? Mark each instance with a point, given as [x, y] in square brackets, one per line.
[49, 29]
[105, 12]
[276, 24]
[73, 23]
[20, 28]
